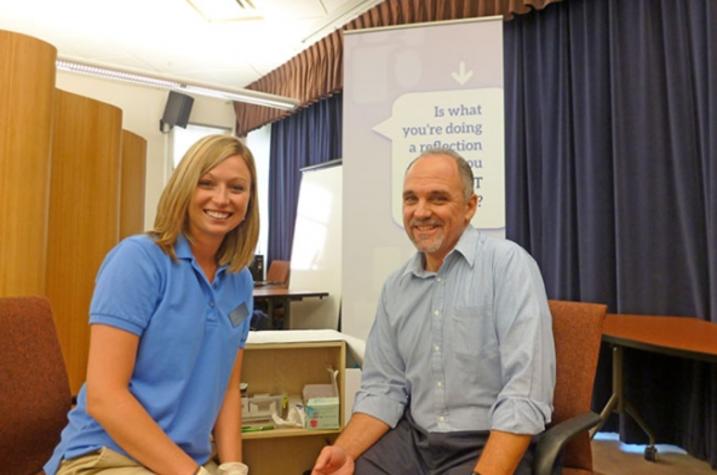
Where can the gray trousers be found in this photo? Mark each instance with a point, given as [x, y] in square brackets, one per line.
[409, 450]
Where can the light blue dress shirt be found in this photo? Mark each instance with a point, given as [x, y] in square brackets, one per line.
[469, 347]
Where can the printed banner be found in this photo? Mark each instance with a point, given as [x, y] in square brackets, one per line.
[408, 89]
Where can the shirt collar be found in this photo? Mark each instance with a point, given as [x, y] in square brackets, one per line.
[182, 248]
[466, 247]
[415, 266]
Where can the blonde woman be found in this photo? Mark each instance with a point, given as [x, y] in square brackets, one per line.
[169, 318]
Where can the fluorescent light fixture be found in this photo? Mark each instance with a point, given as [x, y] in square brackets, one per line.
[226, 10]
[126, 76]
[209, 90]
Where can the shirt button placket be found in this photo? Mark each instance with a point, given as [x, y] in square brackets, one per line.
[213, 298]
[438, 370]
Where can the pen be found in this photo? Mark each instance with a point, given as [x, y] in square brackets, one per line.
[256, 428]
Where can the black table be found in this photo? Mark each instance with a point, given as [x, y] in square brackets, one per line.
[281, 295]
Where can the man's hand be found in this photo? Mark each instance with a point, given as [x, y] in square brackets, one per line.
[361, 433]
[333, 460]
[502, 453]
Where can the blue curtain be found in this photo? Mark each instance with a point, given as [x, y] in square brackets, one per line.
[309, 137]
[611, 161]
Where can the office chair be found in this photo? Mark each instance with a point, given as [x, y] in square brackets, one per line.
[577, 330]
[34, 394]
[278, 273]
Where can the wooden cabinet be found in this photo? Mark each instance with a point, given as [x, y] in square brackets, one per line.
[60, 176]
[134, 169]
[84, 216]
[286, 368]
[27, 84]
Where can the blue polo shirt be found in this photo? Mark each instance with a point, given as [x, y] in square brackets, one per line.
[189, 330]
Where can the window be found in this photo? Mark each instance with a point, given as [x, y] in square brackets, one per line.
[182, 139]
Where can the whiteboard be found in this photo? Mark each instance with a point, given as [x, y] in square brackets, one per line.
[316, 250]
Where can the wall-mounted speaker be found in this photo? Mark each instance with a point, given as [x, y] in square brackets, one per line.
[176, 111]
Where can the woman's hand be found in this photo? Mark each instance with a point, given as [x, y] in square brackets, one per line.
[233, 468]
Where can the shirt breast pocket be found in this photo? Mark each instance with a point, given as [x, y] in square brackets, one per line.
[238, 315]
[474, 332]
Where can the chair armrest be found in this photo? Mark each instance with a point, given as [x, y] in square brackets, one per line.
[552, 440]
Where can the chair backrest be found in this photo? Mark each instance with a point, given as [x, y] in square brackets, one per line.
[278, 272]
[577, 330]
[34, 390]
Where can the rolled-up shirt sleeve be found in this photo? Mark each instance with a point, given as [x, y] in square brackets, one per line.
[527, 351]
[384, 389]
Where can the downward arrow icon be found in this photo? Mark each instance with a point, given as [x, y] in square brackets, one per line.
[462, 76]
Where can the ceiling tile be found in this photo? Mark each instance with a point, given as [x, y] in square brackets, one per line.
[169, 37]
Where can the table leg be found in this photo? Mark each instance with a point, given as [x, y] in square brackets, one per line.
[606, 411]
[630, 409]
[624, 407]
[270, 310]
[287, 313]
[283, 322]
[616, 398]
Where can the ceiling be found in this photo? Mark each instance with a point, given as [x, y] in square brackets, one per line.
[182, 39]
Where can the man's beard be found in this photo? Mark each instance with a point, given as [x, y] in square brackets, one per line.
[422, 245]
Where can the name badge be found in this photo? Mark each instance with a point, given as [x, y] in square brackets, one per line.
[238, 315]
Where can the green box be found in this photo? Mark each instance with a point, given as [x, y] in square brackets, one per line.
[322, 409]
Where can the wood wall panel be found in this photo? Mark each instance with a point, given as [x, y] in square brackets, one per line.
[134, 153]
[84, 216]
[27, 83]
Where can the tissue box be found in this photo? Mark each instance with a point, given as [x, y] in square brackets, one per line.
[260, 407]
[321, 405]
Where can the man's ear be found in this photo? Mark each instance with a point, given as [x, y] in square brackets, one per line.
[471, 207]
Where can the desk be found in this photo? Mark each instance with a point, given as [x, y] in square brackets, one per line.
[685, 337]
[274, 295]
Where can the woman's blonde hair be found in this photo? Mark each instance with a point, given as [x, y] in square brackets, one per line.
[237, 249]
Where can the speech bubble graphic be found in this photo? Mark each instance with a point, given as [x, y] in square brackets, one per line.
[469, 122]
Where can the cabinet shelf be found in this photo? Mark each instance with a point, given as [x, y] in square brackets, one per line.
[286, 432]
[285, 368]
